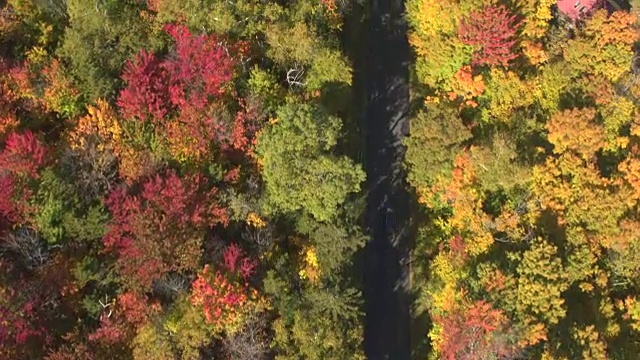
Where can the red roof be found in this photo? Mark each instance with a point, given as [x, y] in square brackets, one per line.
[575, 8]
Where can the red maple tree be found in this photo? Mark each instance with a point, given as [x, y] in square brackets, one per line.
[136, 308]
[225, 294]
[491, 33]
[195, 73]
[161, 228]
[236, 262]
[473, 332]
[23, 154]
[10, 209]
[109, 332]
[147, 93]
[22, 315]
[198, 70]
[182, 93]
[20, 162]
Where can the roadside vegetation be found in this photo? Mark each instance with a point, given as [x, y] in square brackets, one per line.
[170, 181]
[182, 179]
[524, 153]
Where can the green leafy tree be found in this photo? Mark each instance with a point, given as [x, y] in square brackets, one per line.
[299, 168]
[307, 61]
[100, 38]
[437, 134]
[315, 324]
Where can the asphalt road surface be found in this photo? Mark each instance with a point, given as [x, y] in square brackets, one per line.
[386, 277]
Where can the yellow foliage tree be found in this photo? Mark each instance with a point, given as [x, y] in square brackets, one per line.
[537, 15]
[507, 93]
[576, 131]
[100, 125]
[468, 219]
[604, 46]
[433, 35]
[534, 293]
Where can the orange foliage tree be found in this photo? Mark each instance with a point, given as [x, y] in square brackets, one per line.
[474, 331]
[224, 295]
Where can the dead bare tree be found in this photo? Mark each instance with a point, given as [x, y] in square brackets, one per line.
[27, 245]
[106, 305]
[171, 285]
[262, 238]
[249, 343]
[94, 170]
[253, 184]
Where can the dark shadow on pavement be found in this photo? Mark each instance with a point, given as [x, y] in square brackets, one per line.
[386, 124]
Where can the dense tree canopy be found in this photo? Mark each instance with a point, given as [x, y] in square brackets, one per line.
[181, 179]
[525, 176]
[299, 171]
[160, 164]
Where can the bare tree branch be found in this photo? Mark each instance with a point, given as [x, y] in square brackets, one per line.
[171, 285]
[249, 343]
[295, 75]
[28, 246]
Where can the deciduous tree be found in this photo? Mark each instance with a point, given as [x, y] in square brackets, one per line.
[23, 154]
[299, 169]
[161, 228]
[476, 331]
[491, 32]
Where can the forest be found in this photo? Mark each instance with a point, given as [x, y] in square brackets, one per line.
[184, 180]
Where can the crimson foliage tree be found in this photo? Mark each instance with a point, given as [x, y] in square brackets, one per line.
[24, 154]
[161, 229]
[22, 329]
[199, 69]
[21, 160]
[491, 33]
[10, 212]
[147, 92]
[236, 262]
[182, 92]
[225, 295]
[17, 327]
[194, 74]
[474, 332]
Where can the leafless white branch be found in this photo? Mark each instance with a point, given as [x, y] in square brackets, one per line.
[295, 75]
[27, 244]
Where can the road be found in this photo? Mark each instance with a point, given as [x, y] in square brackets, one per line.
[386, 277]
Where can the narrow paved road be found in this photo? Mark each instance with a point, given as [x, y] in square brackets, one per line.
[386, 277]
